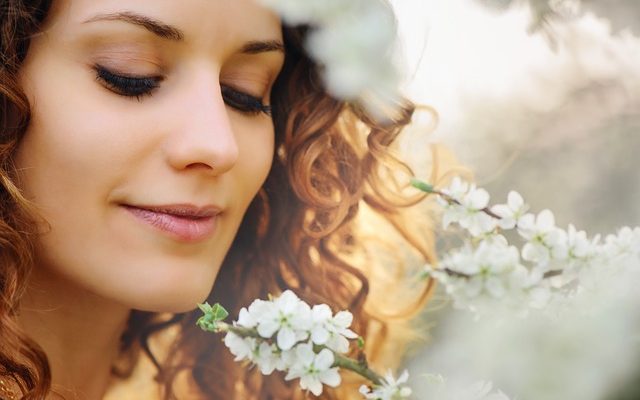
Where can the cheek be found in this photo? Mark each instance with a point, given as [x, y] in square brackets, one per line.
[77, 139]
[75, 151]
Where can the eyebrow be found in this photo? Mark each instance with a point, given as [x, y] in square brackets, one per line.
[260, 46]
[169, 32]
[156, 27]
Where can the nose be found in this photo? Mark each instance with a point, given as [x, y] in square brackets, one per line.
[202, 137]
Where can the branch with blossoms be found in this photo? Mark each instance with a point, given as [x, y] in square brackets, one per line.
[485, 275]
[488, 273]
[309, 344]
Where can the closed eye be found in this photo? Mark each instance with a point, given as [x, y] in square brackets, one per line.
[128, 85]
[140, 86]
[244, 102]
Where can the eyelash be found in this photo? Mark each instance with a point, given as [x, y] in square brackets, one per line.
[140, 86]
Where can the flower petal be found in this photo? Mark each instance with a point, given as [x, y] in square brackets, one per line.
[312, 384]
[267, 328]
[478, 199]
[286, 338]
[545, 220]
[321, 313]
[343, 319]
[246, 319]
[324, 359]
[515, 200]
[287, 302]
[305, 354]
[330, 377]
[319, 335]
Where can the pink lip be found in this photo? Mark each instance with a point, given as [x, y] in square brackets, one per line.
[183, 222]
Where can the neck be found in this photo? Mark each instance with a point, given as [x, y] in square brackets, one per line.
[78, 330]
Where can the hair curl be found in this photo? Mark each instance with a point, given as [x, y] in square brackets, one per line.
[299, 232]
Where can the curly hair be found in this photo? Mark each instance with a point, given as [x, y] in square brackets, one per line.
[20, 357]
[300, 232]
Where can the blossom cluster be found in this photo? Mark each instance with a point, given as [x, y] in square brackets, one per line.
[552, 265]
[286, 334]
[353, 40]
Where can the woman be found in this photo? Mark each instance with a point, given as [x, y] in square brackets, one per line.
[156, 154]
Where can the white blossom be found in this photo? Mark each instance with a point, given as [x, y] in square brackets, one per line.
[582, 254]
[511, 212]
[390, 388]
[348, 39]
[331, 331]
[270, 357]
[288, 316]
[467, 206]
[626, 241]
[248, 318]
[492, 269]
[578, 245]
[313, 369]
[281, 327]
[545, 240]
[456, 190]
[494, 263]
[264, 355]
[241, 347]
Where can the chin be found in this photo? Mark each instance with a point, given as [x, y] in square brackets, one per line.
[171, 297]
[170, 304]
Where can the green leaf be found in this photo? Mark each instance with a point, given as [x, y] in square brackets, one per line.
[418, 184]
[212, 315]
[205, 308]
[219, 313]
[360, 342]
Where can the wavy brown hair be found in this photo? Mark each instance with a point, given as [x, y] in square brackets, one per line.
[299, 233]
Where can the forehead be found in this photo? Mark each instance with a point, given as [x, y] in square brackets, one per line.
[209, 21]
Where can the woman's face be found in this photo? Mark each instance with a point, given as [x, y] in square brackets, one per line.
[148, 140]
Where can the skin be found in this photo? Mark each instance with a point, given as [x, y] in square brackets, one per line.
[88, 150]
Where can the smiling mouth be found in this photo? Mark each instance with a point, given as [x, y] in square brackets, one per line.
[183, 223]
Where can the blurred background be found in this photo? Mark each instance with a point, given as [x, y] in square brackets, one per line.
[538, 96]
[552, 113]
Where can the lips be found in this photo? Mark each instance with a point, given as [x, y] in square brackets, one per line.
[182, 222]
